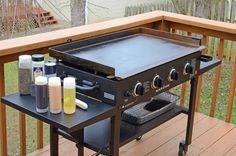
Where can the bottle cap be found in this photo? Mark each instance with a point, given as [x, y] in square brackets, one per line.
[38, 57]
[54, 81]
[41, 80]
[25, 60]
[69, 82]
[50, 68]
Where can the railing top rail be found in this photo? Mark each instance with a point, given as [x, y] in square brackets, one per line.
[200, 22]
[22, 44]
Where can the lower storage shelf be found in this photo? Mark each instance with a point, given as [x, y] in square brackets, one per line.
[97, 136]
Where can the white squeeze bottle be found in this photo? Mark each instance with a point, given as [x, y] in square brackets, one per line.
[69, 95]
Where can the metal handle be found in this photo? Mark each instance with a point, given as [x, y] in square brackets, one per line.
[87, 88]
[87, 85]
[207, 64]
[206, 58]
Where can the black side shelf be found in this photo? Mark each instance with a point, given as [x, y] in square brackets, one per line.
[207, 64]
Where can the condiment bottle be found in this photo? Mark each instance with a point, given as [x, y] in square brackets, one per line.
[50, 69]
[55, 99]
[37, 65]
[25, 74]
[69, 95]
[41, 94]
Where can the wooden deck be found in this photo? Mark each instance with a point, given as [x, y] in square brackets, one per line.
[211, 137]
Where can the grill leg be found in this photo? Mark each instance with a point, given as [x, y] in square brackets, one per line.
[183, 146]
[115, 135]
[53, 141]
[80, 144]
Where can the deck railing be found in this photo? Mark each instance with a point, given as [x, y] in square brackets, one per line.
[11, 49]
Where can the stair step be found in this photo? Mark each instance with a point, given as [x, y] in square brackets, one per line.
[41, 13]
[52, 21]
[44, 18]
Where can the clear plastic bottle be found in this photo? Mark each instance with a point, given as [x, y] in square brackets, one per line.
[50, 69]
[41, 94]
[25, 74]
[69, 95]
[37, 65]
[55, 99]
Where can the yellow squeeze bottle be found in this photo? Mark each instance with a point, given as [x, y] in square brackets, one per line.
[69, 95]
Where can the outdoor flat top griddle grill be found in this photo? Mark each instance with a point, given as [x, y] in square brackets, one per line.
[113, 73]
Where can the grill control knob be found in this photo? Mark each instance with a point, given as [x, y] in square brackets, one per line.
[174, 75]
[188, 69]
[157, 82]
[138, 89]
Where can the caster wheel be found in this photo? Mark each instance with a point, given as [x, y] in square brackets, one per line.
[139, 138]
[182, 151]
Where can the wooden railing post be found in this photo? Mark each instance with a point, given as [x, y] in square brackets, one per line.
[231, 94]
[173, 30]
[165, 26]
[217, 79]
[39, 134]
[199, 85]
[22, 126]
[3, 124]
[183, 92]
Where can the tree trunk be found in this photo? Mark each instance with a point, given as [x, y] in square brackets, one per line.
[20, 2]
[1, 10]
[78, 12]
[3, 7]
[4, 12]
[1, 19]
[202, 8]
[178, 6]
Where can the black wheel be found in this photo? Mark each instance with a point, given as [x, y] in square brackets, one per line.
[182, 151]
[139, 138]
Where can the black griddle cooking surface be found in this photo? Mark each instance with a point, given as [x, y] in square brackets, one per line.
[129, 54]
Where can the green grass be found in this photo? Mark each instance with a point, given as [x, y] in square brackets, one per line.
[11, 78]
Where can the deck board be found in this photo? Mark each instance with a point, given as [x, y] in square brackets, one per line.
[171, 147]
[223, 145]
[231, 152]
[210, 137]
[145, 147]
